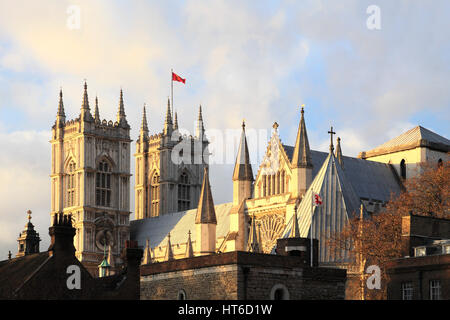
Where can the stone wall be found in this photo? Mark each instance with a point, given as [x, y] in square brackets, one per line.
[242, 276]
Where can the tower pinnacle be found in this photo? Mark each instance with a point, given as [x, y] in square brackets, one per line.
[302, 153]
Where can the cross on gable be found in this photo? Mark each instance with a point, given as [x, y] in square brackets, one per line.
[331, 132]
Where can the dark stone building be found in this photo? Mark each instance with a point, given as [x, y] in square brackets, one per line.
[245, 276]
[424, 272]
[58, 275]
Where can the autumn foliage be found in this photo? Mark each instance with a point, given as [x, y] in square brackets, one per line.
[377, 239]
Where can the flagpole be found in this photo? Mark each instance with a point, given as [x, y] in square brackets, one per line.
[171, 85]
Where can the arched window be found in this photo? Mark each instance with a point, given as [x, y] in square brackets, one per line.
[403, 169]
[184, 195]
[70, 185]
[103, 184]
[283, 182]
[181, 295]
[264, 185]
[278, 183]
[279, 292]
[155, 195]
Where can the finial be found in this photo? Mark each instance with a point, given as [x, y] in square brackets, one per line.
[275, 126]
[243, 124]
[9, 255]
[331, 132]
[302, 110]
[29, 215]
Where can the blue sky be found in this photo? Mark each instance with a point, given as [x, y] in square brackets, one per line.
[242, 59]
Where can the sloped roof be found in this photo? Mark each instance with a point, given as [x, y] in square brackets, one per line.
[178, 224]
[340, 203]
[417, 136]
[370, 179]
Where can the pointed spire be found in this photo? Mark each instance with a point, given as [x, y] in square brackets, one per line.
[205, 210]
[175, 122]
[144, 127]
[169, 253]
[189, 248]
[331, 132]
[60, 112]
[200, 130]
[85, 109]
[253, 245]
[339, 156]
[242, 167]
[168, 125]
[96, 113]
[147, 253]
[295, 233]
[302, 153]
[110, 258]
[121, 117]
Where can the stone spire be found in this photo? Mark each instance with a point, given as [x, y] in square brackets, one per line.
[200, 130]
[85, 110]
[206, 213]
[302, 153]
[189, 248]
[169, 253]
[110, 258]
[295, 233]
[121, 117]
[175, 122]
[144, 127]
[96, 113]
[253, 245]
[60, 114]
[147, 253]
[339, 153]
[168, 125]
[242, 167]
[28, 239]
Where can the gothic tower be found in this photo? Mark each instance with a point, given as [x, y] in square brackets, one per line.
[90, 179]
[169, 167]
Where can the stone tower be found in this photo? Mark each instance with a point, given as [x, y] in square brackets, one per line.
[90, 179]
[169, 167]
[28, 239]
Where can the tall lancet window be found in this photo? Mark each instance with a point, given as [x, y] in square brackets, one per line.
[184, 196]
[155, 195]
[103, 185]
[403, 169]
[70, 185]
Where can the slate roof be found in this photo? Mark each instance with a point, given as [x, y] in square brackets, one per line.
[370, 179]
[178, 224]
[417, 136]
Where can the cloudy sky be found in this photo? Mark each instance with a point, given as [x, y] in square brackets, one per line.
[257, 60]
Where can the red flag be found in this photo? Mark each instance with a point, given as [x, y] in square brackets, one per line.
[317, 200]
[176, 77]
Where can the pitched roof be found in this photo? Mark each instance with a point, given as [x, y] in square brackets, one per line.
[340, 203]
[178, 224]
[370, 179]
[415, 137]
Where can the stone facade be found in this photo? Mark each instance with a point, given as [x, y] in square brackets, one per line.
[242, 276]
[90, 179]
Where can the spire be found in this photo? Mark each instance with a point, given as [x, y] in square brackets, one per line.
[242, 167]
[168, 125]
[205, 210]
[60, 112]
[295, 230]
[253, 245]
[144, 127]
[331, 132]
[189, 249]
[110, 258]
[302, 153]
[175, 122]
[85, 110]
[121, 117]
[169, 252]
[339, 153]
[28, 239]
[200, 130]
[147, 253]
[96, 113]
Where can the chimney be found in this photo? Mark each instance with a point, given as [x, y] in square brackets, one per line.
[61, 234]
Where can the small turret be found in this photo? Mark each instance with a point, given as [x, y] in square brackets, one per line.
[200, 130]
[253, 245]
[168, 125]
[60, 115]
[121, 117]
[189, 249]
[85, 114]
[169, 253]
[96, 113]
[339, 156]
